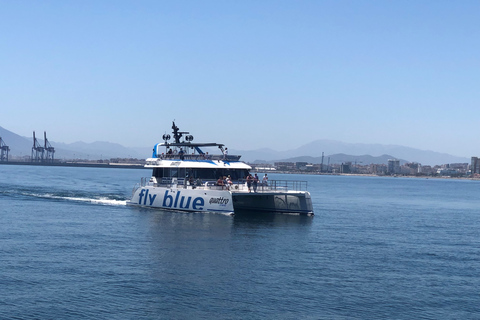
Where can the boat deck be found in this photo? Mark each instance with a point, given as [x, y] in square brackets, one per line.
[273, 186]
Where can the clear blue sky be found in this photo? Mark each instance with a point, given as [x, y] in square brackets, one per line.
[249, 74]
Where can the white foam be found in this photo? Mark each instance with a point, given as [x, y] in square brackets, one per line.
[104, 201]
[110, 202]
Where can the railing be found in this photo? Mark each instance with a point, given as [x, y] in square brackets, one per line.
[271, 186]
[294, 185]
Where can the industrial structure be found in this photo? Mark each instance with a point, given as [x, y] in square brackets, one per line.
[43, 153]
[50, 151]
[3, 150]
[37, 150]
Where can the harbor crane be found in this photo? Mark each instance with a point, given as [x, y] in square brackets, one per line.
[37, 150]
[48, 148]
[3, 150]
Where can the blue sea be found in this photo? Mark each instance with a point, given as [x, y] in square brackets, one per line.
[377, 248]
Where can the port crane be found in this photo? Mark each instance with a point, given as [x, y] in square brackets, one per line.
[48, 148]
[4, 149]
[37, 150]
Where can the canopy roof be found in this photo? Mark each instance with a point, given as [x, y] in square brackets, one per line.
[204, 164]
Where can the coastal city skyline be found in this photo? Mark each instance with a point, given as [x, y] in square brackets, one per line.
[253, 75]
[43, 153]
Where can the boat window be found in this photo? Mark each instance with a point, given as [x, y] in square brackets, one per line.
[166, 173]
[204, 174]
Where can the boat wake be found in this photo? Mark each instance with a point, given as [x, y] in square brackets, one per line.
[110, 200]
[101, 200]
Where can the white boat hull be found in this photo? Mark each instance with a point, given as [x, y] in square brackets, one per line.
[222, 201]
[202, 200]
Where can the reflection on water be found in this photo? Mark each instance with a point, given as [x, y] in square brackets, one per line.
[214, 260]
[245, 219]
[218, 224]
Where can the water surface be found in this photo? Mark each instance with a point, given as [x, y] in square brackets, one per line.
[377, 248]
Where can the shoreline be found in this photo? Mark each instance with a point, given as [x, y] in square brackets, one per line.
[368, 175]
[76, 164]
[141, 166]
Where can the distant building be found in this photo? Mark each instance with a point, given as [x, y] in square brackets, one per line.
[284, 166]
[412, 168]
[449, 172]
[393, 166]
[301, 165]
[379, 169]
[346, 167]
[475, 165]
[313, 167]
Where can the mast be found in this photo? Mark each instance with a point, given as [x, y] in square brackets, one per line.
[177, 135]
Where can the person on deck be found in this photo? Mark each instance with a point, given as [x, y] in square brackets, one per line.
[255, 183]
[225, 183]
[190, 182]
[265, 180]
[249, 182]
[220, 181]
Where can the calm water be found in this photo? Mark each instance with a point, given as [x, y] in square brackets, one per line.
[377, 248]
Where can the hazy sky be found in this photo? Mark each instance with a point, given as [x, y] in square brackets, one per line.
[249, 74]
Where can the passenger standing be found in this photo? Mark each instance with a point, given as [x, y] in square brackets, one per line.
[225, 154]
[249, 182]
[190, 182]
[225, 183]
[255, 183]
[265, 180]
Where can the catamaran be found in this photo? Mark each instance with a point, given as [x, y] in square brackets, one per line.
[186, 177]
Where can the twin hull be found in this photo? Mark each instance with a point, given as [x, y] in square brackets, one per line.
[223, 201]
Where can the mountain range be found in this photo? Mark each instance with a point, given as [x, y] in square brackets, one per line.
[334, 152]
[339, 152]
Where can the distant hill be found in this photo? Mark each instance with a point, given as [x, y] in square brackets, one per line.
[100, 150]
[337, 151]
[331, 148]
[22, 146]
[19, 145]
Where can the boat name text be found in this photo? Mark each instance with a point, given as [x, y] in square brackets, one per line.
[220, 200]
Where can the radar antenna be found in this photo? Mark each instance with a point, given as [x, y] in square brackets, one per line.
[177, 135]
